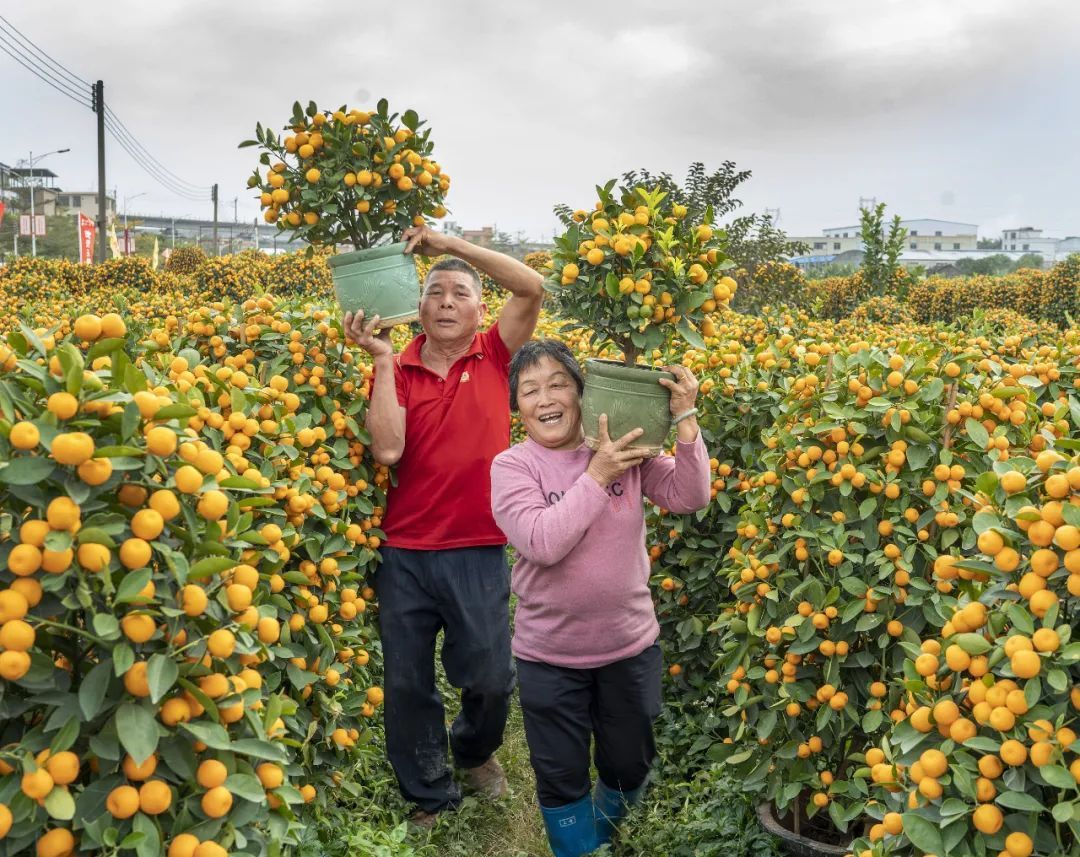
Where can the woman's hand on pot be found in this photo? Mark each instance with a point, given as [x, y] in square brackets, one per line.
[684, 389]
[364, 335]
[614, 457]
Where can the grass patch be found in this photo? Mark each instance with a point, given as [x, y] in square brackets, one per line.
[686, 812]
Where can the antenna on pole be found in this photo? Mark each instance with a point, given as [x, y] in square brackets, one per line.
[773, 214]
[863, 200]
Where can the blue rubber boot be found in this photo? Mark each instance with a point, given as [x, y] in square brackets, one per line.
[611, 805]
[571, 829]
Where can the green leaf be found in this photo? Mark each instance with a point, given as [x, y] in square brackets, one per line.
[872, 720]
[259, 749]
[137, 730]
[119, 452]
[977, 432]
[59, 804]
[58, 540]
[1032, 691]
[210, 566]
[611, 285]
[131, 418]
[211, 734]
[300, 678]
[1063, 812]
[175, 412]
[246, 786]
[106, 626]
[1021, 801]
[973, 644]
[983, 744]
[67, 736]
[150, 845]
[133, 583]
[93, 688]
[161, 674]
[240, 482]
[688, 332]
[923, 834]
[1021, 619]
[104, 347]
[96, 535]
[27, 470]
[1058, 680]
[123, 658]
[1057, 776]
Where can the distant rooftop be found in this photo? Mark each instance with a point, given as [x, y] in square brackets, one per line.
[36, 172]
[909, 220]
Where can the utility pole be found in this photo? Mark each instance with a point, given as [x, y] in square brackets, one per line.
[33, 219]
[256, 234]
[98, 102]
[232, 229]
[215, 195]
[33, 193]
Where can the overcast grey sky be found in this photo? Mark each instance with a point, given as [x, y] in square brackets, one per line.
[957, 109]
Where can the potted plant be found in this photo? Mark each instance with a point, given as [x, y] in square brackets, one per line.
[638, 269]
[357, 178]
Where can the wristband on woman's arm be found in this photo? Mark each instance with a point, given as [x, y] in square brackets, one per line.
[686, 415]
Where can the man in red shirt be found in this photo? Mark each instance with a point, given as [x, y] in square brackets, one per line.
[440, 411]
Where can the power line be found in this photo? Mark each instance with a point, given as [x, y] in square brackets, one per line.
[42, 73]
[74, 78]
[64, 81]
[194, 192]
[150, 170]
[135, 142]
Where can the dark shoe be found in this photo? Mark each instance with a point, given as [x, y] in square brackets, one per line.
[423, 818]
[611, 805]
[571, 829]
[488, 779]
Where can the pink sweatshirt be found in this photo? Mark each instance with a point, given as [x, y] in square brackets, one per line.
[582, 573]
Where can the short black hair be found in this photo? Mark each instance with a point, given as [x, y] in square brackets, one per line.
[454, 264]
[535, 350]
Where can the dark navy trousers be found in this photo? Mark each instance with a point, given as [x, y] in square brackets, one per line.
[613, 707]
[464, 592]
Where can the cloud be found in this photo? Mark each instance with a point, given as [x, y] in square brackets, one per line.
[531, 105]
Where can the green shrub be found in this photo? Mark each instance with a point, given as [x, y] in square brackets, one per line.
[186, 259]
[706, 816]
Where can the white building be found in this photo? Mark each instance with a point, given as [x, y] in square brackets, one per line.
[1026, 239]
[922, 234]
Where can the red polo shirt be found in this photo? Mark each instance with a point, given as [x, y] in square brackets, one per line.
[454, 428]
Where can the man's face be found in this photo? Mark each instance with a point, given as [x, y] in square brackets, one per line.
[450, 307]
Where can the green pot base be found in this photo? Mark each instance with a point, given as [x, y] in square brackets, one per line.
[381, 281]
[631, 398]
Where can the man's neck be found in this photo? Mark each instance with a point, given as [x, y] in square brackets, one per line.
[439, 357]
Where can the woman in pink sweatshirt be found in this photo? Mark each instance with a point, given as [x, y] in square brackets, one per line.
[585, 629]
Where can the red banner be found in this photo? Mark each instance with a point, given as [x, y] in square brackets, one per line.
[87, 234]
[1, 212]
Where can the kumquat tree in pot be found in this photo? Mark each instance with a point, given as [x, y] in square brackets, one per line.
[636, 271]
[359, 178]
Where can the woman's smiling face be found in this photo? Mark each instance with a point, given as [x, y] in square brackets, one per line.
[549, 404]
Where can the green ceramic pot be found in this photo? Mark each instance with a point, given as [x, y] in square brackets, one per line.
[631, 398]
[381, 281]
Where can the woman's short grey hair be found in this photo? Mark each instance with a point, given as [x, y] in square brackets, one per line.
[532, 352]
